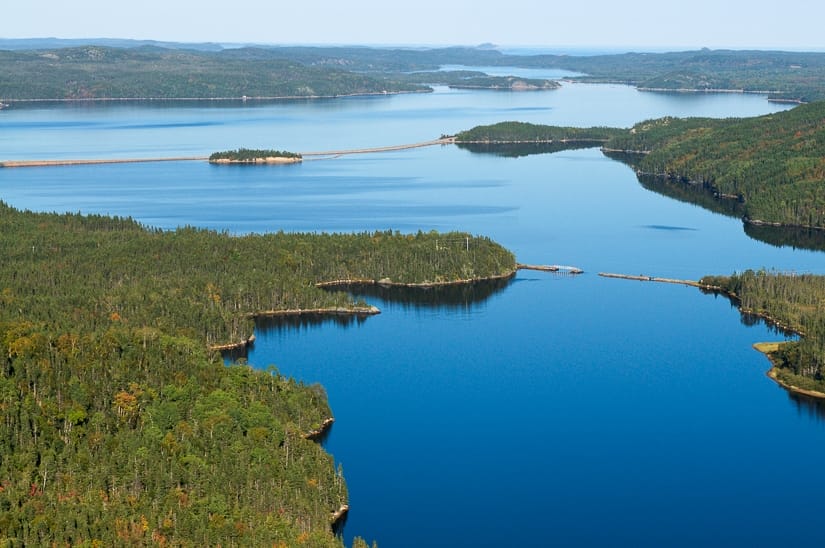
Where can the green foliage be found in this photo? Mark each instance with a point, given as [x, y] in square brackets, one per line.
[795, 302]
[775, 164]
[794, 76]
[117, 424]
[94, 72]
[771, 167]
[523, 132]
[468, 79]
[103, 71]
[250, 155]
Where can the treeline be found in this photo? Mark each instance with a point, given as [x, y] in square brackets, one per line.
[470, 79]
[524, 132]
[112, 69]
[95, 72]
[793, 76]
[795, 302]
[773, 164]
[251, 154]
[120, 427]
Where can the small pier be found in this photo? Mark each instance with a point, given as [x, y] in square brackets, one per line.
[561, 269]
[643, 278]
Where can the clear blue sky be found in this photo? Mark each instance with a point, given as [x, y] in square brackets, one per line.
[639, 24]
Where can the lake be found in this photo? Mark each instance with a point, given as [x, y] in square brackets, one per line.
[551, 410]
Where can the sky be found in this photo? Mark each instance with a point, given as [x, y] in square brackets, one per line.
[613, 24]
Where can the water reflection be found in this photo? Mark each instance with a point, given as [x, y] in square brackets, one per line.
[515, 150]
[441, 297]
[808, 406]
[748, 319]
[302, 322]
[451, 297]
[813, 408]
[788, 236]
[702, 195]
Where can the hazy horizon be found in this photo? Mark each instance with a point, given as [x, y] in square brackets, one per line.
[559, 49]
[640, 25]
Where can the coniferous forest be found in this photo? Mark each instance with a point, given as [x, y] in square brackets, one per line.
[794, 302]
[120, 426]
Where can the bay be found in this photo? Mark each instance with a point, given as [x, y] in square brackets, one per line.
[554, 410]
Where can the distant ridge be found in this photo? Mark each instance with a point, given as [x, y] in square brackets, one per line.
[54, 43]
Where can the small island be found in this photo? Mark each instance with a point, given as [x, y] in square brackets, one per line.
[255, 156]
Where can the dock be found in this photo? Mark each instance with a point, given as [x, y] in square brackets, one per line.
[643, 278]
[563, 269]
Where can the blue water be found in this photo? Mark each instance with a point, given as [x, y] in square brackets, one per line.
[557, 411]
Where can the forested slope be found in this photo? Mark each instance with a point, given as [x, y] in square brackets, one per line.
[120, 427]
[773, 164]
[795, 302]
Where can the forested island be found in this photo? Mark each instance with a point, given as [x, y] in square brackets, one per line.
[122, 69]
[254, 156]
[469, 79]
[121, 423]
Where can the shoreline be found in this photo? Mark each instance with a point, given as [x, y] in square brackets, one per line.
[712, 191]
[386, 282]
[528, 142]
[765, 348]
[82, 162]
[268, 160]
[234, 346]
[358, 311]
[773, 373]
[318, 432]
[242, 99]
[331, 311]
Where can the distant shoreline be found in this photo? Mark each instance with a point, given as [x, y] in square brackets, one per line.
[243, 98]
[9, 102]
[329, 153]
[54, 163]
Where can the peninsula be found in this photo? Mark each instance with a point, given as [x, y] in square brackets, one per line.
[123, 426]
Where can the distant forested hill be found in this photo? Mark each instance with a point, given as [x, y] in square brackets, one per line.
[93, 72]
[49, 69]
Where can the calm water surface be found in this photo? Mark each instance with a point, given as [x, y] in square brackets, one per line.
[553, 411]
